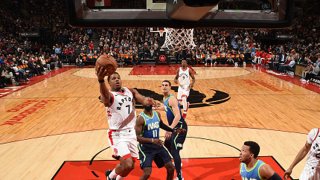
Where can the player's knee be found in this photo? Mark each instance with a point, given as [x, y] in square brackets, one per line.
[170, 168]
[146, 173]
[145, 176]
[127, 167]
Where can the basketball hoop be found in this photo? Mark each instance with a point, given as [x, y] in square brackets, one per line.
[178, 39]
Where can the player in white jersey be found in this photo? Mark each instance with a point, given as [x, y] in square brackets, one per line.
[311, 170]
[183, 79]
[119, 102]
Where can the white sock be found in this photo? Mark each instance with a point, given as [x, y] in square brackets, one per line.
[119, 177]
[113, 174]
[184, 103]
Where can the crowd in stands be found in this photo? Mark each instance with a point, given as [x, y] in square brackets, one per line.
[22, 57]
[50, 39]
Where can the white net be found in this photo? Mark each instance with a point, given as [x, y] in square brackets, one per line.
[178, 39]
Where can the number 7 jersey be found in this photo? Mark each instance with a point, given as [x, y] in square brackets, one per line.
[120, 115]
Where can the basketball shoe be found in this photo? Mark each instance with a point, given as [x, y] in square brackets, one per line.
[107, 175]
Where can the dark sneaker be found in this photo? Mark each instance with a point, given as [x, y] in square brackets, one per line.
[107, 175]
[116, 157]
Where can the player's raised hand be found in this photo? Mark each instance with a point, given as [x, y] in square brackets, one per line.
[101, 72]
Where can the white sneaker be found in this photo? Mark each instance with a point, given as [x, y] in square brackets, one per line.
[178, 178]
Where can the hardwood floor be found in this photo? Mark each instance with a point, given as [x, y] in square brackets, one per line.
[60, 118]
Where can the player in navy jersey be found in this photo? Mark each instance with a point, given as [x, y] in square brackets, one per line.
[174, 142]
[150, 146]
[251, 168]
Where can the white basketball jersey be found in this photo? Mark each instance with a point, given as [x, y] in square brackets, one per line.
[184, 77]
[120, 109]
[311, 170]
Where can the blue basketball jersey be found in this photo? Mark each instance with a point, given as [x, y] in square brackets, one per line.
[151, 125]
[169, 111]
[251, 174]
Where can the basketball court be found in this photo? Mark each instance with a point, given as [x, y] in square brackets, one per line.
[56, 126]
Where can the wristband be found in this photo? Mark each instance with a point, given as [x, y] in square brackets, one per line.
[101, 81]
[151, 140]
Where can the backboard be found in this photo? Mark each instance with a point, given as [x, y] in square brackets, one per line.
[156, 13]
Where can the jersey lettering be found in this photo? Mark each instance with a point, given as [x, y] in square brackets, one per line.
[317, 150]
[154, 125]
[123, 100]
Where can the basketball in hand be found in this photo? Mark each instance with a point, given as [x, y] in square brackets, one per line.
[108, 62]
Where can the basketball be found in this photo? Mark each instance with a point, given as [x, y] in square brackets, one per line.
[108, 62]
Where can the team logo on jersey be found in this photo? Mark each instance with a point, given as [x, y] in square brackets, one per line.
[196, 98]
[123, 100]
[154, 125]
[184, 79]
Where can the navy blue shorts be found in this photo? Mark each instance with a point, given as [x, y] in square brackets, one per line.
[152, 152]
[176, 141]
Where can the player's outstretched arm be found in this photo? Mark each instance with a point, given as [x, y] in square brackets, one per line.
[105, 95]
[142, 99]
[167, 128]
[301, 154]
[266, 172]
[163, 125]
